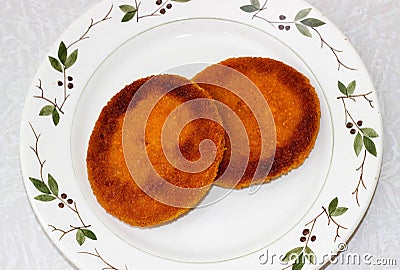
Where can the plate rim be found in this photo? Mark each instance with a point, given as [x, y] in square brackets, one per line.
[23, 123]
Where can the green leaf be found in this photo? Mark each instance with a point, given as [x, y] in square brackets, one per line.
[351, 87]
[255, 3]
[39, 185]
[310, 255]
[47, 110]
[128, 16]
[312, 22]
[55, 64]
[45, 198]
[303, 30]
[80, 237]
[56, 117]
[180, 1]
[358, 144]
[369, 145]
[249, 8]
[52, 184]
[332, 205]
[89, 234]
[339, 211]
[302, 14]
[343, 88]
[292, 254]
[298, 265]
[127, 8]
[62, 53]
[370, 133]
[71, 59]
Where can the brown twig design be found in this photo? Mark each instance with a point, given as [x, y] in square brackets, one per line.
[75, 210]
[62, 201]
[348, 115]
[54, 103]
[35, 149]
[263, 7]
[353, 98]
[137, 5]
[66, 95]
[92, 24]
[154, 13]
[333, 50]
[330, 219]
[360, 179]
[361, 182]
[365, 96]
[97, 255]
[305, 252]
[309, 235]
[67, 232]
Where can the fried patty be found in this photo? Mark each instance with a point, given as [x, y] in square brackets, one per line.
[110, 171]
[292, 100]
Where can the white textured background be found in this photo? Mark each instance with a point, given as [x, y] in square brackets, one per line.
[29, 27]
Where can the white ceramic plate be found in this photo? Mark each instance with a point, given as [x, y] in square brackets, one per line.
[313, 210]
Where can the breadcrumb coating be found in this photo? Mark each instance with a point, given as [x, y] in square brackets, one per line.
[294, 105]
[110, 179]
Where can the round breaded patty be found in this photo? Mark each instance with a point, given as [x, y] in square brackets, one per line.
[110, 173]
[292, 100]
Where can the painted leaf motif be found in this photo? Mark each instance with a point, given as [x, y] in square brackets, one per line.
[248, 8]
[312, 22]
[370, 146]
[303, 30]
[39, 185]
[56, 117]
[370, 133]
[339, 211]
[53, 184]
[351, 87]
[343, 88]
[55, 64]
[255, 3]
[332, 205]
[298, 265]
[89, 234]
[292, 254]
[358, 144]
[128, 16]
[127, 8]
[180, 1]
[80, 237]
[62, 53]
[45, 198]
[310, 255]
[47, 110]
[302, 14]
[71, 59]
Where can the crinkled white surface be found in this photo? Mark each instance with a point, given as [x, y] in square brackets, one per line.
[29, 28]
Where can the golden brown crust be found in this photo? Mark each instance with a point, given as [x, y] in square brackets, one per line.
[110, 179]
[294, 105]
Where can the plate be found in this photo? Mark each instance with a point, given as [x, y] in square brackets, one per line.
[309, 213]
